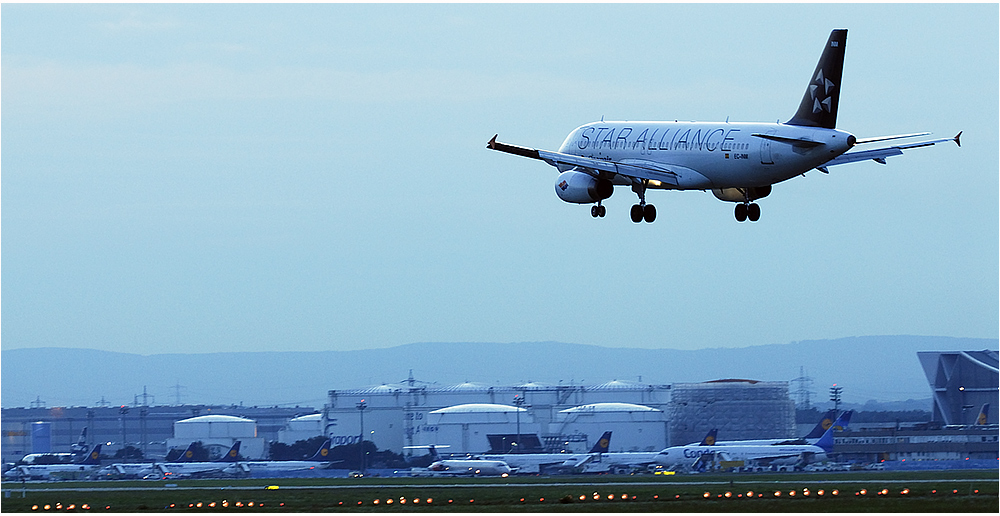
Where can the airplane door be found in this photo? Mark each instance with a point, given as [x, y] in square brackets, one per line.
[765, 150]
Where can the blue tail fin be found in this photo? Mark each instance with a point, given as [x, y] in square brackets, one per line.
[323, 453]
[825, 422]
[601, 446]
[819, 104]
[826, 440]
[983, 414]
[232, 454]
[709, 439]
[845, 419]
[188, 455]
[94, 457]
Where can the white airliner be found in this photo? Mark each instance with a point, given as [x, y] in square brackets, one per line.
[739, 162]
[85, 464]
[258, 468]
[689, 456]
[552, 463]
[184, 467]
[461, 467]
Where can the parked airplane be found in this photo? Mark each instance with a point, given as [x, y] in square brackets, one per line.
[739, 162]
[839, 425]
[76, 450]
[767, 454]
[319, 460]
[984, 413]
[552, 463]
[463, 467]
[84, 464]
[184, 467]
[627, 462]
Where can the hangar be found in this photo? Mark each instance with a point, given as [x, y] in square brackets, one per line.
[961, 382]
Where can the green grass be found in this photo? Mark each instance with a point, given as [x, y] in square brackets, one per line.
[641, 494]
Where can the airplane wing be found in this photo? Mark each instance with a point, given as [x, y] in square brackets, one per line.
[879, 155]
[632, 168]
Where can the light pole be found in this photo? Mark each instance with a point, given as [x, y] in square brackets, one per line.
[518, 401]
[835, 395]
[361, 437]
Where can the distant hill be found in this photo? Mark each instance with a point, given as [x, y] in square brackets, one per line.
[884, 369]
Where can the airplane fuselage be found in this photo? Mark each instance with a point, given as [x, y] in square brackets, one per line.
[708, 155]
[773, 454]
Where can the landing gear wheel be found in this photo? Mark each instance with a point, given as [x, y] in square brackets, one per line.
[601, 211]
[636, 213]
[741, 212]
[595, 211]
[649, 213]
[753, 212]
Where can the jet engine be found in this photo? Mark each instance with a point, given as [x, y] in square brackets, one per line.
[736, 194]
[582, 188]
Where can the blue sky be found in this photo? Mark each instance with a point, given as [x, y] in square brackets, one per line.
[196, 178]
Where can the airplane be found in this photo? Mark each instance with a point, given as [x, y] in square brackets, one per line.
[738, 162]
[552, 463]
[691, 456]
[84, 464]
[627, 462]
[320, 459]
[461, 467]
[982, 419]
[76, 450]
[838, 425]
[184, 466]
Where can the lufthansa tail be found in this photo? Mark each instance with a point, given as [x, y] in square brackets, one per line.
[601, 446]
[822, 97]
[323, 453]
[825, 422]
[709, 439]
[983, 414]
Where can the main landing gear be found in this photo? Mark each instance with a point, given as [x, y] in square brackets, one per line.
[642, 211]
[747, 210]
[598, 210]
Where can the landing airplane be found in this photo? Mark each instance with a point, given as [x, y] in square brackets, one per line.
[692, 455]
[319, 460]
[739, 162]
[463, 467]
[552, 463]
[184, 467]
[84, 464]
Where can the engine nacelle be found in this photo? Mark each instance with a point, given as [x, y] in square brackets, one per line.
[582, 188]
[736, 194]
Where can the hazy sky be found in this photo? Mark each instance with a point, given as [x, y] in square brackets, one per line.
[194, 178]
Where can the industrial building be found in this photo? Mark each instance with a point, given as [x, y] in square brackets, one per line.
[961, 382]
[472, 417]
[531, 417]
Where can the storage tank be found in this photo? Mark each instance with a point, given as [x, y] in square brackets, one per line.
[633, 427]
[214, 426]
[466, 428]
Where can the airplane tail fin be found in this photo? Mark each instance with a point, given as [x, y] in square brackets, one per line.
[601, 446]
[845, 419]
[83, 437]
[983, 414]
[323, 453]
[709, 439]
[819, 104]
[824, 422]
[188, 455]
[94, 457]
[232, 454]
[826, 440]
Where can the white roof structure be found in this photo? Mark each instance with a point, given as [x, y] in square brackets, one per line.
[609, 407]
[216, 418]
[470, 408]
